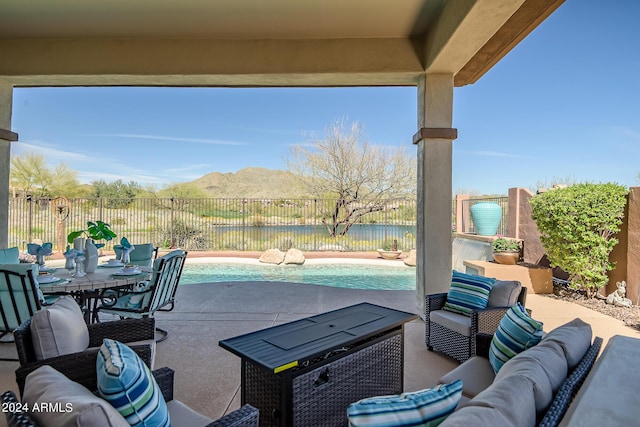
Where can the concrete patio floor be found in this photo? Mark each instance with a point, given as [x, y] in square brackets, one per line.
[208, 377]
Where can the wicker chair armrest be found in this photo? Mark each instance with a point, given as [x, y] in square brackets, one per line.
[486, 321]
[483, 342]
[164, 378]
[79, 367]
[128, 330]
[24, 345]
[247, 416]
[434, 302]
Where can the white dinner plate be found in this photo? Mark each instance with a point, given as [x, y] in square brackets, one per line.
[48, 279]
[106, 265]
[128, 272]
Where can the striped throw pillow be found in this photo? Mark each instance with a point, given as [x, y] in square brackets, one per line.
[127, 384]
[468, 293]
[421, 408]
[516, 332]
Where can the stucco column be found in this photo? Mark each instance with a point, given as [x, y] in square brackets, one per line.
[434, 141]
[6, 136]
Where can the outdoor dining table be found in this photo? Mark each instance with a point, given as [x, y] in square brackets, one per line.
[93, 288]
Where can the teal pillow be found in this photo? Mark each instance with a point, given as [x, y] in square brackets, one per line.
[10, 256]
[516, 332]
[468, 293]
[421, 408]
[127, 384]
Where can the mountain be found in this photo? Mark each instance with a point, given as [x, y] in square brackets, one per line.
[252, 183]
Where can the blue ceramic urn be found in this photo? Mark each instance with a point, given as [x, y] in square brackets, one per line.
[486, 218]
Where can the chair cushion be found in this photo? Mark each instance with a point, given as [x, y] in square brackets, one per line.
[10, 256]
[574, 338]
[72, 403]
[504, 293]
[516, 333]
[453, 321]
[505, 404]
[126, 382]
[182, 415]
[425, 408]
[59, 329]
[468, 292]
[476, 374]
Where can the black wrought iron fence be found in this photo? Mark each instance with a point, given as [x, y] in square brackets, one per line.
[212, 224]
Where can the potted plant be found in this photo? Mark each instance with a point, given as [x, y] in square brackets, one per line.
[390, 250]
[505, 251]
[97, 230]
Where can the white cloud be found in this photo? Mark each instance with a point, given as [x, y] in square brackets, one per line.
[170, 138]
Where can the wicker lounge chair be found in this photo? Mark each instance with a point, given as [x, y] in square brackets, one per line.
[85, 374]
[454, 334]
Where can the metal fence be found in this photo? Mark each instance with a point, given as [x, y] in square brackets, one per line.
[211, 224]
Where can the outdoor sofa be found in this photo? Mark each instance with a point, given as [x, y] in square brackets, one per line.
[535, 387]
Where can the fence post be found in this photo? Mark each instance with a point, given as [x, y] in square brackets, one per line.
[100, 208]
[315, 224]
[30, 220]
[244, 208]
[172, 225]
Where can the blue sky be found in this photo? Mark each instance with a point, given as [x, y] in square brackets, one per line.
[564, 104]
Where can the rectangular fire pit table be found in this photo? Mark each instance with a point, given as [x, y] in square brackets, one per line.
[306, 372]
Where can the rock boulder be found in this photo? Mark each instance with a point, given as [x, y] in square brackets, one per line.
[272, 256]
[294, 256]
[410, 259]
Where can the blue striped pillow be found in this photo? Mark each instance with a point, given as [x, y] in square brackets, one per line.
[127, 384]
[468, 292]
[421, 408]
[516, 332]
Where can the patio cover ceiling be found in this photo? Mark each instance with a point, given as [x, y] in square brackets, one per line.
[258, 42]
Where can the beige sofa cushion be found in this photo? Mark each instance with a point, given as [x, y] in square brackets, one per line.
[532, 370]
[504, 293]
[75, 404]
[575, 339]
[59, 329]
[505, 404]
[453, 321]
[476, 375]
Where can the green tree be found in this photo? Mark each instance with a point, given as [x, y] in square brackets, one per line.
[577, 226]
[118, 194]
[360, 176]
[30, 175]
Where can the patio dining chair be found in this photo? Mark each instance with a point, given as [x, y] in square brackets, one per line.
[158, 294]
[143, 255]
[19, 297]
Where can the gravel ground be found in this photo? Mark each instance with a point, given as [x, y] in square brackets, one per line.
[630, 316]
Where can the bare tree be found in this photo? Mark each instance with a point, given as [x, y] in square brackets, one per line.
[360, 176]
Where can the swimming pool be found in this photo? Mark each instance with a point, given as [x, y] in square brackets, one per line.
[342, 275]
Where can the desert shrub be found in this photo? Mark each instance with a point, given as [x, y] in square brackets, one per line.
[185, 236]
[577, 226]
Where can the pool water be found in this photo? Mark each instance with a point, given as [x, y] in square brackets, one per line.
[354, 276]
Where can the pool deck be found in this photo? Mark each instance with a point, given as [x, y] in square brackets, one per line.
[208, 377]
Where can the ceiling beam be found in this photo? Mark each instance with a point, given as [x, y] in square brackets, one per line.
[334, 62]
